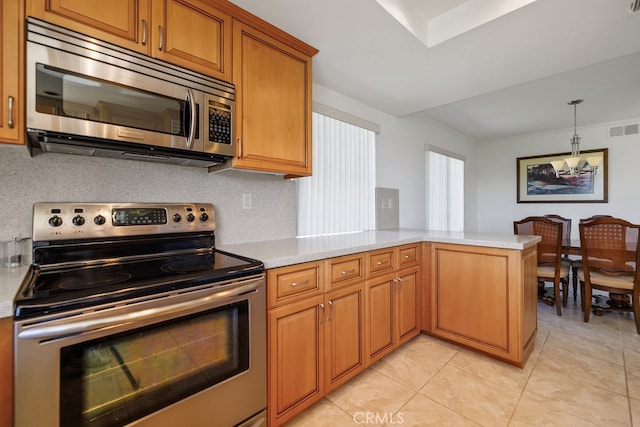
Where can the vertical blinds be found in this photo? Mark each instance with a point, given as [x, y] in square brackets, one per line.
[446, 192]
[340, 196]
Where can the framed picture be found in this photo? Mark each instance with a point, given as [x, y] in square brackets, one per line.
[538, 181]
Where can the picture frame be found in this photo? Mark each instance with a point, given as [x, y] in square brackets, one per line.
[537, 181]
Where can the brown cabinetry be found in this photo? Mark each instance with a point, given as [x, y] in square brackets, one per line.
[6, 372]
[189, 33]
[392, 299]
[316, 332]
[273, 103]
[11, 72]
[485, 298]
[295, 359]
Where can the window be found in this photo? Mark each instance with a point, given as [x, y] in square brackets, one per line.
[340, 196]
[445, 190]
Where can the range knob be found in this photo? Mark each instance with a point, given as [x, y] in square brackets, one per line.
[78, 220]
[55, 221]
[204, 216]
[99, 220]
[191, 217]
[177, 217]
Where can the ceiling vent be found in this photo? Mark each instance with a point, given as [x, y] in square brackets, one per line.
[624, 130]
[635, 6]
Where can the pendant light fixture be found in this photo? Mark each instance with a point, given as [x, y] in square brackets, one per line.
[575, 164]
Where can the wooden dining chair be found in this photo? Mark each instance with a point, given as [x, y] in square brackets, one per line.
[610, 257]
[550, 266]
[573, 264]
[576, 264]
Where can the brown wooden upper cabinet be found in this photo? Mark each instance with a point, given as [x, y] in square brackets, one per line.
[188, 33]
[11, 64]
[273, 103]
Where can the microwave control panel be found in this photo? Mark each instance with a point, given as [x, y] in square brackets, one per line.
[219, 123]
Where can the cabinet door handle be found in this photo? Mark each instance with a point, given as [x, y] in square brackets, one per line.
[10, 118]
[239, 148]
[144, 32]
[344, 273]
[322, 314]
[399, 284]
[304, 282]
[330, 310]
[160, 32]
[382, 262]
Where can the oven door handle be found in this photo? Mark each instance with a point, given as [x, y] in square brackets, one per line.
[92, 325]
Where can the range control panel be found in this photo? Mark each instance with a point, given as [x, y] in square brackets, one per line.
[61, 221]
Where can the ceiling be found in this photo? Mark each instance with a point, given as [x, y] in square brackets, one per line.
[510, 75]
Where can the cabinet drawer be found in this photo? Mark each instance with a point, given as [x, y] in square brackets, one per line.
[294, 282]
[380, 262]
[347, 269]
[408, 255]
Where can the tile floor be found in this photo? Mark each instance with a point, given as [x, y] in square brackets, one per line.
[580, 374]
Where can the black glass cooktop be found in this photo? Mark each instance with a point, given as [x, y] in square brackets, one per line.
[54, 290]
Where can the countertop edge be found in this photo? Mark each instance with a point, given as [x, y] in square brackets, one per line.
[280, 253]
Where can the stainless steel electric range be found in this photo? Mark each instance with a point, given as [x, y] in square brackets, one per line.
[129, 315]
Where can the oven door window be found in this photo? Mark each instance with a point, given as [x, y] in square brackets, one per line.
[66, 94]
[120, 378]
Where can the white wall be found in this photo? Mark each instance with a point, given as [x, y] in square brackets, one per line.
[497, 207]
[400, 158]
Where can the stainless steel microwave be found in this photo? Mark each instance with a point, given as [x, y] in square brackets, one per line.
[89, 97]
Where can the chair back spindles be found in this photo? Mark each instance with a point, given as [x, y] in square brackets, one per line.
[566, 225]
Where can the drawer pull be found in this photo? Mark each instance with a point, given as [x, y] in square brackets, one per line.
[344, 273]
[407, 256]
[382, 262]
[304, 282]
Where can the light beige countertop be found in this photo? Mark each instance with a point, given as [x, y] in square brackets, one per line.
[278, 253]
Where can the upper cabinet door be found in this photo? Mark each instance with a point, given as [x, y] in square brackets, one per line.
[11, 65]
[122, 22]
[273, 103]
[194, 35]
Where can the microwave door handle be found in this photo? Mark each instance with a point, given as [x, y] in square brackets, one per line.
[193, 118]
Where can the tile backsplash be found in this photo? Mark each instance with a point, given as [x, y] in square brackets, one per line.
[60, 177]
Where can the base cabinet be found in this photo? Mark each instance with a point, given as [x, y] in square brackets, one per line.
[408, 305]
[295, 358]
[485, 298]
[322, 339]
[6, 372]
[392, 312]
[380, 318]
[344, 335]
